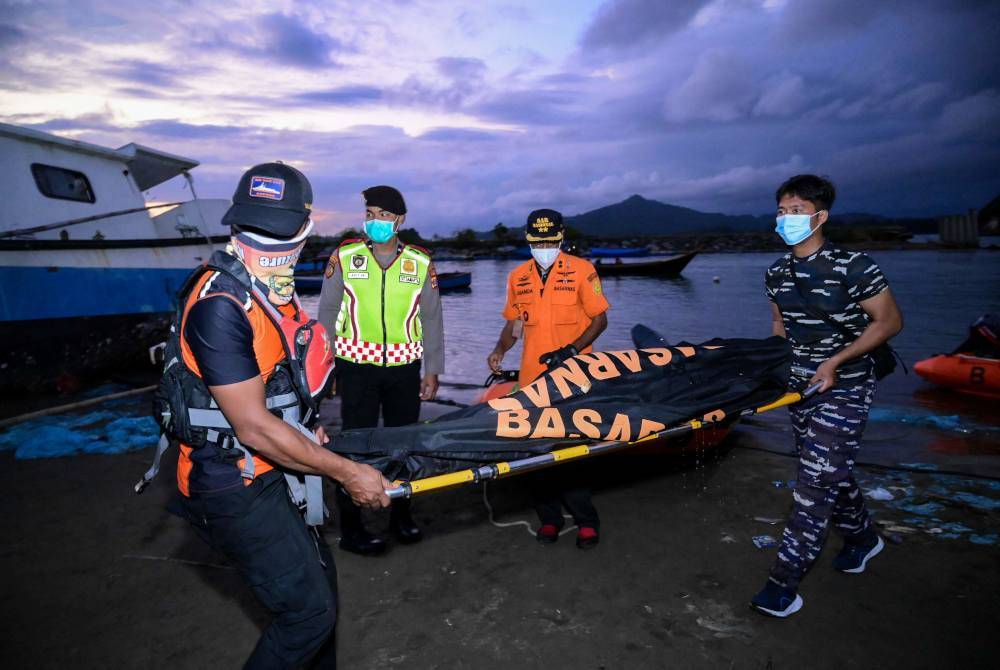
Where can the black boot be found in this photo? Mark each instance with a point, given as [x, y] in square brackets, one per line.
[353, 535]
[402, 524]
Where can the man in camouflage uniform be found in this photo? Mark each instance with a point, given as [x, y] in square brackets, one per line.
[835, 307]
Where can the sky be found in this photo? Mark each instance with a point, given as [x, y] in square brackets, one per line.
[480, 112]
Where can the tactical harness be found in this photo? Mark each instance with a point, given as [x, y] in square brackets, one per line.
[188, 414]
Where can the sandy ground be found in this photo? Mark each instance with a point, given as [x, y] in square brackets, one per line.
[95, 577]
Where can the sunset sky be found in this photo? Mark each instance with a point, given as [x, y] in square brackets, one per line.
[482, 111]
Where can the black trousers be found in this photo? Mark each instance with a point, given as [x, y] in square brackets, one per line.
[288, 566]
[366, 391]
[564, 485]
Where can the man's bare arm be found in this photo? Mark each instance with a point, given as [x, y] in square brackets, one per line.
[777, 323]
[596, 327]
[256, 428]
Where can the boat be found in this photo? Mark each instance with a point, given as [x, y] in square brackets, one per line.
[89, 268]
[664, 267]
[974, 367]
[504, 383]
[454, 281]
[610, 252]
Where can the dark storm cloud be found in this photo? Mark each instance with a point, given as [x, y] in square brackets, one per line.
[628, 23]
[291, 41]
[10, 35]
[175, 129]
[461, 70]
[146, 73]
[346, 96]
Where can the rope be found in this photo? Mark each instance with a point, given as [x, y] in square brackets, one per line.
[511, 524]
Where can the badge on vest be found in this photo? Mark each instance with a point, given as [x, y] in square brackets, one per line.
[408, 267]
[359, 262]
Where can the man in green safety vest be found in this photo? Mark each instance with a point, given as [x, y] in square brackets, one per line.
[380, 302]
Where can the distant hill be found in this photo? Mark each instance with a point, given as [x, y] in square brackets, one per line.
[637, 216]
[640, 217]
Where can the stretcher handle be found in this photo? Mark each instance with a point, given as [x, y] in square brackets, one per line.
[497, 470]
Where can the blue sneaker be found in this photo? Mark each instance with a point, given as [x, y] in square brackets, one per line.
[854, 557]
[777, 601]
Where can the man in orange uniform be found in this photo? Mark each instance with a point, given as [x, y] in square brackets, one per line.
[557, 301]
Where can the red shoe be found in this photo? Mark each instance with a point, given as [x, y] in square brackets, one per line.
[547, 534]
[587, 537]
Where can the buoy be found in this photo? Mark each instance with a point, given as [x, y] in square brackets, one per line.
[716, 279]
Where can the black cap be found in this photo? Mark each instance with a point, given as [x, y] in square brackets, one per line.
[544, 225]
[385, 197]
[272, 198]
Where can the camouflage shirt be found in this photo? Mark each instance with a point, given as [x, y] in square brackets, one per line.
[834, 281]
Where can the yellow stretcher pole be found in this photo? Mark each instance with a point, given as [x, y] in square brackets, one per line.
[508, 469]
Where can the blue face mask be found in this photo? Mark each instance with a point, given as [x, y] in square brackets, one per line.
[379, 231]
[794, 228]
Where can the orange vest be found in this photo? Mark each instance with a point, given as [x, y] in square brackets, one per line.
[556, 313]
[268, 350]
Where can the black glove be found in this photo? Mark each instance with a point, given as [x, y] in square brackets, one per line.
[555, 358]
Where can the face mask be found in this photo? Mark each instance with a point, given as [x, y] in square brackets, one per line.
[545, 257]
[794, 228]
[380, 231]
[271, 261]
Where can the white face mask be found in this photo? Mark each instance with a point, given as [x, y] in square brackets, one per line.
[545, 257]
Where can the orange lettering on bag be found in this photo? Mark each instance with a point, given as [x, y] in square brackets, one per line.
[659, 355]
[506, 404]
[600, 366]
[513, 424]
[687, 351]
[621, 429]
[569, 371]
[586, 421]
[550, 424]
[628, 358]
[649, 427]
[537, 392]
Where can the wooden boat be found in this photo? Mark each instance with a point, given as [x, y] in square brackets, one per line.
[665, 267]
[608, 252]
[454, 281]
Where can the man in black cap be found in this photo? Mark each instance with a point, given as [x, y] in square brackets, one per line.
[380, 299]
[227, 370]
[557, 301]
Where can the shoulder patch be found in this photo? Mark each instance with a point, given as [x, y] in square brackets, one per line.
[349, 240]
[331, 265]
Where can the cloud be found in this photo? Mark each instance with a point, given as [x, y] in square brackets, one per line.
[343, 95]
[291, 41]
[631, 23]
[146, 73]
[167, 128]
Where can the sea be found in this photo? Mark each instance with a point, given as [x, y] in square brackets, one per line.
[722, 295]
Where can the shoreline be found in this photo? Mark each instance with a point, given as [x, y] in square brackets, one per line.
[126, 584]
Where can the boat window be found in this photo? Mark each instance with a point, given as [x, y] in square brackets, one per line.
[57, 182]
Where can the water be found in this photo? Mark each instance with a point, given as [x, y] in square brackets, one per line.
[940, 294]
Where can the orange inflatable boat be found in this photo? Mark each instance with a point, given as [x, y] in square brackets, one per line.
[974, 367]
[963, 372]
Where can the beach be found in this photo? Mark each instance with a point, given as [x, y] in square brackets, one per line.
[98, 577]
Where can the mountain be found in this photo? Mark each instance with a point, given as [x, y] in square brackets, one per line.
[637, 216]
[640, 217]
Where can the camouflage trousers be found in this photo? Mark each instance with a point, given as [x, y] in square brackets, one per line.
[828, 432]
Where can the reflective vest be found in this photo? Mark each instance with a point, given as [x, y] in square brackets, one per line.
[379, 319]
[295, 358]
